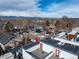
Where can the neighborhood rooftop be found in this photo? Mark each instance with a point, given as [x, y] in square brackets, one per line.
[68, 47]
[4, 39]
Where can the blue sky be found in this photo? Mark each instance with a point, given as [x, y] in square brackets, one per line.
[39, 8]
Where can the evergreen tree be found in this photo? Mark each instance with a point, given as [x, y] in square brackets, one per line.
[8, 27]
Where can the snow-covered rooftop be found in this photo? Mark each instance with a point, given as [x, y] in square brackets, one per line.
[61, 34]
[74, 30]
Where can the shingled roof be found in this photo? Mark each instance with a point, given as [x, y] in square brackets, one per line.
[5, 38]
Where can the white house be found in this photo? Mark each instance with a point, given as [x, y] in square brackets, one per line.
[47, 50]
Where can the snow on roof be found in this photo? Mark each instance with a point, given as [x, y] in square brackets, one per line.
[77, 35]
[7, 56]
[61, 34]
[74, 30]
[67, 41]
[77, 28]
[65, 50]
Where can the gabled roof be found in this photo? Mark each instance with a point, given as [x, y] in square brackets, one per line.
[5, 38]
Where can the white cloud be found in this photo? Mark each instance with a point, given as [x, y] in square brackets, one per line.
[61, 9]
[30, 8]
[19, 7]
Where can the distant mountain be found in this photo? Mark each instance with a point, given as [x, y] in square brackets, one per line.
[10, 17]
[31, 18]
[21, 17]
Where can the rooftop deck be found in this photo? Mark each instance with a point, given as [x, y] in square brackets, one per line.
[39, 54]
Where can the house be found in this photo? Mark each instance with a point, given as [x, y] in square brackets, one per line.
[72, 35]
[6, 41]
[39, 29]
[51, 29]
[5, 38]
[47, 49]
[18, 28]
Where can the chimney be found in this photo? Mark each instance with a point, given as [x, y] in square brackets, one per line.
[57, 52]
[41, 47]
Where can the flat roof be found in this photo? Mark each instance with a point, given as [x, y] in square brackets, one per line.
[27, 46]
[39, 54]
[68, 47]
